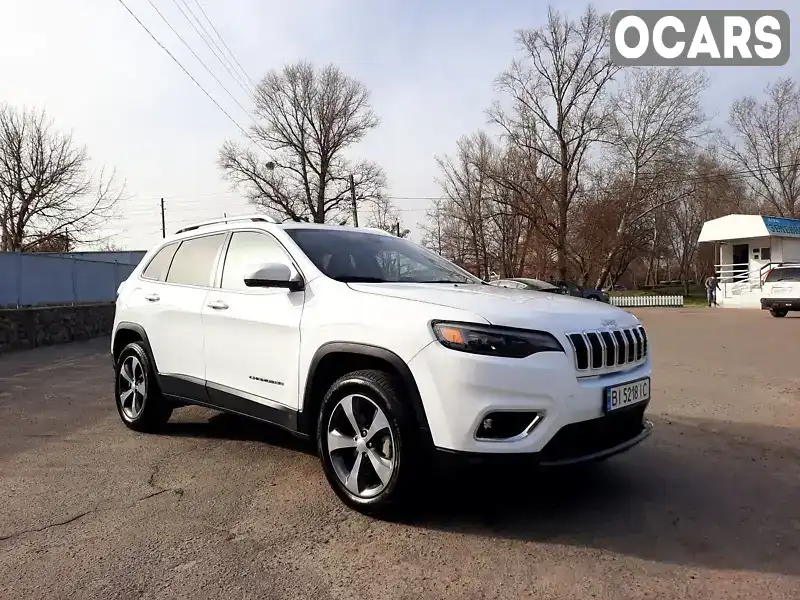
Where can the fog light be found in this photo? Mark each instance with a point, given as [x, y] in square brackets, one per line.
[505, 425]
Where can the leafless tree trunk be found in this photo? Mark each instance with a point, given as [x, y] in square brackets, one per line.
[48, 197]
[433, 228]
[656, 119]
[309, 119]
[766, 146]
[557, 108]
[467, 186]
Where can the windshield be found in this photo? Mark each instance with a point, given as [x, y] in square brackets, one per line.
[356, 256]
[783, 274]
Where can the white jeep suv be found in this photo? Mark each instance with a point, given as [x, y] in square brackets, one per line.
[781, 290]
[382, 352]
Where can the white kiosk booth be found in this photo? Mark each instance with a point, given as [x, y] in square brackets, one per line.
[747, 246]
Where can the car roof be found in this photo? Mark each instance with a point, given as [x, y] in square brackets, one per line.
[223, 225]
[289, 225]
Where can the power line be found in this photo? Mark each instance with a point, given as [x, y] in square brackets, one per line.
[205, 41]
[233, 56]
[185, 43]
[188, 203]
[197, 83]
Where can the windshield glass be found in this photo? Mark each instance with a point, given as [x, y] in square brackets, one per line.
[784, 274]
[357, 256]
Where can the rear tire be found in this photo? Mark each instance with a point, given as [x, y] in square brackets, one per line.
[140, 403]
[779, 313]
[364, 427]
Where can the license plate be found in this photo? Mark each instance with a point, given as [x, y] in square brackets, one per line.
[627, 394]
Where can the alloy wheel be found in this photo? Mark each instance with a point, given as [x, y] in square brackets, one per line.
[361, 446]
[132, 387]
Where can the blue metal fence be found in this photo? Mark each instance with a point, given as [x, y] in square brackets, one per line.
[33, 279]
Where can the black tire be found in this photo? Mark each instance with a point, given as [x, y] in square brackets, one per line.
[779, 313]
[379, 388]
[154, 411]
[593, 297]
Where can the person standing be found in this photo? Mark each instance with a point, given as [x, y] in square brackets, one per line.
[712, 285]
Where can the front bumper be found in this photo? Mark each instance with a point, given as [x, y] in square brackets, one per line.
[458, 390]
[559, 451]
[780, 303]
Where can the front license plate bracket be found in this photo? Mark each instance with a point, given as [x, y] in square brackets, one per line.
[623, 395]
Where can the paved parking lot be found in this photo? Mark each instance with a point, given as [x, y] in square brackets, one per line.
[708, 507]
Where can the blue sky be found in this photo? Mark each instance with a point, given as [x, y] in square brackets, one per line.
[429, 66]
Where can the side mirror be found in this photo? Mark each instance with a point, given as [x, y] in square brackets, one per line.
[275, 275]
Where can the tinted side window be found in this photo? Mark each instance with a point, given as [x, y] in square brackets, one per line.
[247, 251]
[194, 262]
[157, 269]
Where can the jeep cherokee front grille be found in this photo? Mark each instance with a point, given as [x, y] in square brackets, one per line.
[608, 348]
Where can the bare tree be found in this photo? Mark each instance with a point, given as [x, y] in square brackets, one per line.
[656, 120]
[766, 146]
[48, 195]
[434, 228]
[714, 191]
[309, 119]
[385, 216]
[557, 108]
[466, 184]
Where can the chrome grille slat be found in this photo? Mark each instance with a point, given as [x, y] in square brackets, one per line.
[622, 351]
[596, 350]
[610, 358]
[639, 344]
[630, 355]
[608, 350]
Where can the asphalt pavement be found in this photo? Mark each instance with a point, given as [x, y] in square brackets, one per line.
[219, 507]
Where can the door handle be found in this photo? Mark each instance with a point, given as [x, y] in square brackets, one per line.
[217, 305]
[152, 297]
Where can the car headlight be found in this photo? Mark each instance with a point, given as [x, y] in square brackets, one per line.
[494, 341]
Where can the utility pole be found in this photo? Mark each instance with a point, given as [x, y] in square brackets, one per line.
[163, 221]
[353, 199]
[397, 228]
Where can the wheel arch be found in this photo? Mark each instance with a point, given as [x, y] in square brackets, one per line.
[125, 333]
[334, 359]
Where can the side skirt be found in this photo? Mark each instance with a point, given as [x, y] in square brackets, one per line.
[184, 390]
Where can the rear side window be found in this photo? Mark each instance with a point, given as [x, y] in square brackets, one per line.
[247, 251]
[159, 265]
[787, 274]
[195, 260]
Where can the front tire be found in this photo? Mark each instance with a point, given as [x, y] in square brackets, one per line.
[366, 442]
[779, 313]
[139, 401]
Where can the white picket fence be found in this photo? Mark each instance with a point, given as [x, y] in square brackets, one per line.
[634, 301]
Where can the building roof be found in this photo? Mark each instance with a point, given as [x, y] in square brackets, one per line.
[737, 227]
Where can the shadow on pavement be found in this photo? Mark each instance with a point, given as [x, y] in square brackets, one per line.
[729, 501]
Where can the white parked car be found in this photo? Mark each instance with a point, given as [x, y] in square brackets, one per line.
[781, 290]
[382, 352]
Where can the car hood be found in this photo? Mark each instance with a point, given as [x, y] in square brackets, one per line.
[509, 307]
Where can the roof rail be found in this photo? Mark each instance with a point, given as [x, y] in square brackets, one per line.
[253, 218]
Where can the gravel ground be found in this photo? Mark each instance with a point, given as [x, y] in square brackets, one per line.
[707, 507]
